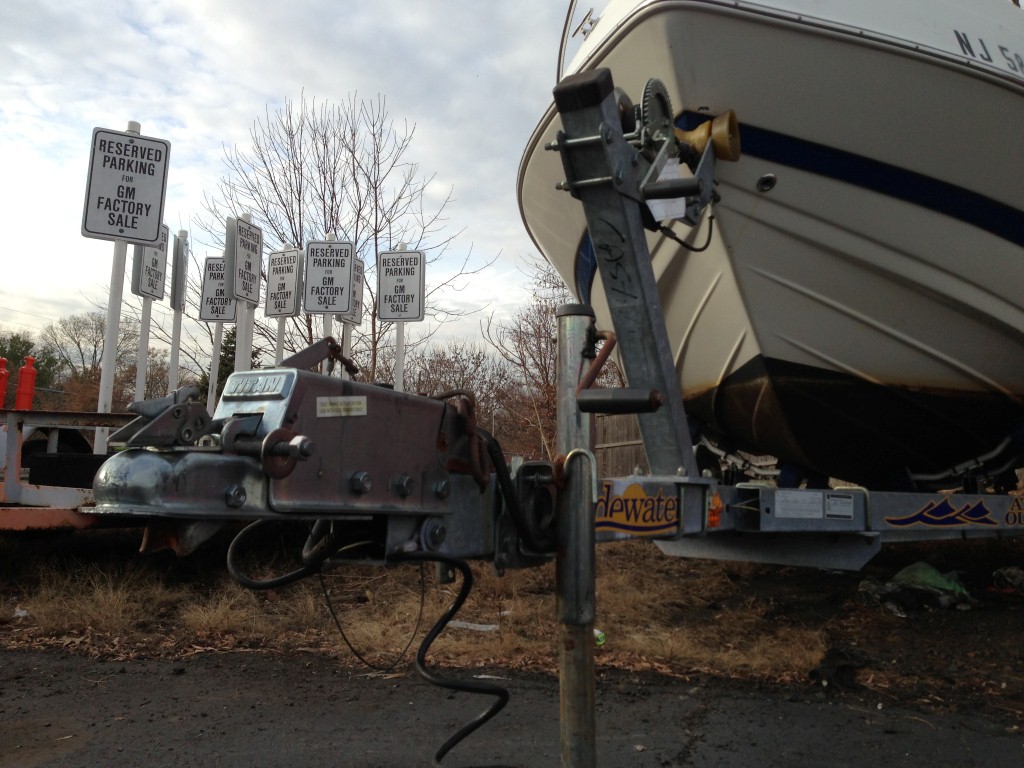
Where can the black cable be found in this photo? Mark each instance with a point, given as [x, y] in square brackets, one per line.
[692, 248]
[535, 540]
[356, 653]
[273, 583]
[466, 686]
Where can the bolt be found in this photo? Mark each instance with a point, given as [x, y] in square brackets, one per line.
[300, 447]
[442, 489]
[235, 496]
[403, 485]
[435, 535]
[360, 482]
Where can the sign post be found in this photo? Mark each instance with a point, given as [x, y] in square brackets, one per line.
[328, 278]
[179, 287]
[216, 306]
[244, 266]
[149, 266]
[354, 317]
[124, 202]
[401, 283]
[284, 281]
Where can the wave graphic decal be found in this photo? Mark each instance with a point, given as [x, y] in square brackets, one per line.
[944, 514]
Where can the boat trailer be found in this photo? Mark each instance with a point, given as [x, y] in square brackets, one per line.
[383, 476]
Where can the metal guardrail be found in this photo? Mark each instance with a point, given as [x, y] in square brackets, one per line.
[28, 506]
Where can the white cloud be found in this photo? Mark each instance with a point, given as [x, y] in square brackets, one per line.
[473, 77]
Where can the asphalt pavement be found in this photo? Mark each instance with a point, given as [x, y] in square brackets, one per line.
[262, 710]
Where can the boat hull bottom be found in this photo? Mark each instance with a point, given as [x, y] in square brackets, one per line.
[832, 425]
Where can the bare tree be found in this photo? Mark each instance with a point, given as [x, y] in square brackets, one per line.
[76, 344]
[315, 169]
[527, 342]
[467, 366]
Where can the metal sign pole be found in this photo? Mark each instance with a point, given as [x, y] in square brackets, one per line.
[109, 361]
[124, 200]
[574, 564]
[143, 361]
[211, 393]
[400, 348]
[346, 346]
[328, 325]
[399, 356]
[177, 305]
[279, 346]
[245, 317]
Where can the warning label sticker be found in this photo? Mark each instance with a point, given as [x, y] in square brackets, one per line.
[328, 407]
[839, 506]
[806, 505]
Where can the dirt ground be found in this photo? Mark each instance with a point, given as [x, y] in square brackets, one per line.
[936, 686]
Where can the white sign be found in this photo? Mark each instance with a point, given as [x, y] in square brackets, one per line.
[124, 196]
[328, 277]
[149, 267]
[216, 304]
[244, 253]
[284, 276]
[401, 282]
[355, 314]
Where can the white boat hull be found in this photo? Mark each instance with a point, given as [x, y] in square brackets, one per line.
[864, 316]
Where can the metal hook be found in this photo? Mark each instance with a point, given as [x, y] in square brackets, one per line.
[593, 467]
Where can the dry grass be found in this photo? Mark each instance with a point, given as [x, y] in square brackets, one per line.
[115, 600]
[671, 615]
[91, 593]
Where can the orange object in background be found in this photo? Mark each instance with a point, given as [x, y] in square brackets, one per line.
[26, 386]
[3, 381]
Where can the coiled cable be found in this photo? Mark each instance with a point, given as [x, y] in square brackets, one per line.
[466, 686]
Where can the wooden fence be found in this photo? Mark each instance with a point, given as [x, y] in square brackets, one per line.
[617, 445]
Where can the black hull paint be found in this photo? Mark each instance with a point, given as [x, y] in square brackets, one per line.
[840, 426]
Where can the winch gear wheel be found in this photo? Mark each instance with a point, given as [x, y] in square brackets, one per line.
[656, 111]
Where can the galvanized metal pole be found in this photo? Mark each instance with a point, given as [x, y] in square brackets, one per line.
[574, 563]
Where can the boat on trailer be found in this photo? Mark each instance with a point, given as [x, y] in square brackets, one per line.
[853, 301]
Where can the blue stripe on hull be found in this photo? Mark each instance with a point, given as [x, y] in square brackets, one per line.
[969, 207]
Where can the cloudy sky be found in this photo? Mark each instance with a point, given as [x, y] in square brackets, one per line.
[473, 76]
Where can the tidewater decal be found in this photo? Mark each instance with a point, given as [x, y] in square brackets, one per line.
[636, 513]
